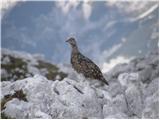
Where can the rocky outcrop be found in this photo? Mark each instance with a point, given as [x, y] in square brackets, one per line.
[132, 93]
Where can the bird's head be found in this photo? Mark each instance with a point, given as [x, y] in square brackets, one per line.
[71, 41]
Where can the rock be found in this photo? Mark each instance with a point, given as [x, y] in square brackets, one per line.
[42, 115]
[20, 108]
[118, 116]
[115, 88]
[134, 101]
[155, 73]
[68, 101]
[141, 65]
[151, 107]
[118, 69]
[120, 103]
[109, 109]
[125, 78]
[152, 88]
[20, 65]
[145, 74]
[133, 92]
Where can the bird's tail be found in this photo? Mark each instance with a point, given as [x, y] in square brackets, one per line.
[104, 80]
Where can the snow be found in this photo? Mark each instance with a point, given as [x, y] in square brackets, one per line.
[132, 93]
[143, 15]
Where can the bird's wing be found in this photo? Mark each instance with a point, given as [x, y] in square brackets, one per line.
[89, 64]
[91, 69]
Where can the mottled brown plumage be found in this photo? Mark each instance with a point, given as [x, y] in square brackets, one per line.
[84, 65]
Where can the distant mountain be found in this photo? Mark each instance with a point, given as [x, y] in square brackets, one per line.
[141, 36]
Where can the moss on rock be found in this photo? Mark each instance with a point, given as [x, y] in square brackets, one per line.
[18, 94]
[16, 68]
[53, 70]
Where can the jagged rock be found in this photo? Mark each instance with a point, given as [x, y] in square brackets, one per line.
[20, 108]
[109, 109]
[115, 89]
[151, 106]
[127, 96]
[145, 74]
[120, 103]
[125, 78]
[134, 101]
[118, 69]
[151, 88]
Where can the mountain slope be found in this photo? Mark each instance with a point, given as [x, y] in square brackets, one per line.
[19, 65]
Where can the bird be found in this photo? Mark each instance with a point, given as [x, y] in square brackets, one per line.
[84, 65]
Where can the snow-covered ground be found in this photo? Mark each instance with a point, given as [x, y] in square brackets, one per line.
[133, 92]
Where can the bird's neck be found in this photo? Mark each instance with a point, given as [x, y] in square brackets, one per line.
[75, 49]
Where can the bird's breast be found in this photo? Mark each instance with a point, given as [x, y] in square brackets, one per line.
[76, 63]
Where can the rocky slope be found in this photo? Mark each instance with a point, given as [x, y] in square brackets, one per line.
[132, 93]
[19, 65]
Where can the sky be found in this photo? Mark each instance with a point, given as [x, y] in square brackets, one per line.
[108, 32]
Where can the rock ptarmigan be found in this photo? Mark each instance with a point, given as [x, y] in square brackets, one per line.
[84, 65]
